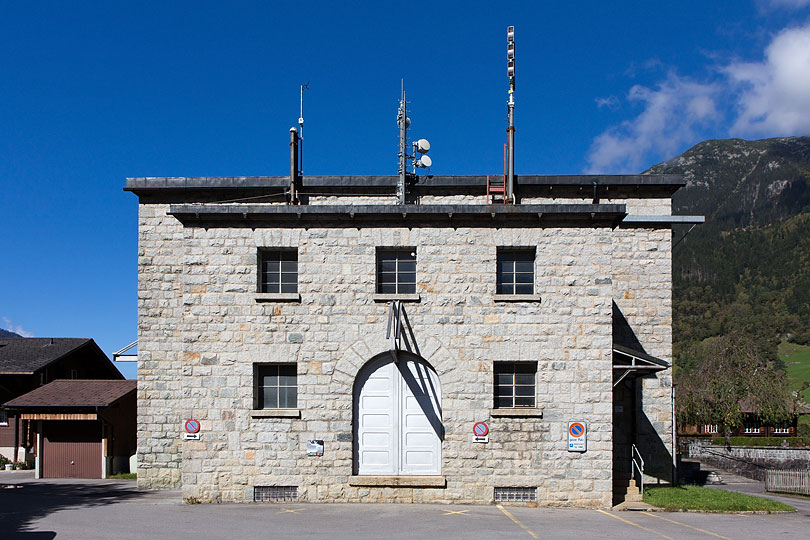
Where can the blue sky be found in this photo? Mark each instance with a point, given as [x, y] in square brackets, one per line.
[94, 92]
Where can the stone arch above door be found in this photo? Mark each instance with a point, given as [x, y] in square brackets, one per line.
[347, 367]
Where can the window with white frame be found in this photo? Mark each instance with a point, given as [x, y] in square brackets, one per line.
[515, 271]
[751, 429]
[514, 384]
[710, 428]
[781, 431]
[278, 270]
[3, 417]
[275, 386]
[396, 271]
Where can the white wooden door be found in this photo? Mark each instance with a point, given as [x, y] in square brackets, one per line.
[399, 428]
[421, 425]
[377, 419]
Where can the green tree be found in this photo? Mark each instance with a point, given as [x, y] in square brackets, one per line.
[731, 373]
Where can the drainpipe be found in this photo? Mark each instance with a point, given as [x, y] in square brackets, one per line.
[38, 459]
[674, 441]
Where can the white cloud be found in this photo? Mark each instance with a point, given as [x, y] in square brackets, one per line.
[16, 329]
[671, 113]
[611, 102]
[766, 5]
[769, 98]
[774, 95]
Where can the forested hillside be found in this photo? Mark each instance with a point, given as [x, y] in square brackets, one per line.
[747, 269]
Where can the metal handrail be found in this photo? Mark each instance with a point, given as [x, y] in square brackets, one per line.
[637, 466]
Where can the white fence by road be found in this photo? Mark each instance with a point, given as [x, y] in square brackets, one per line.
[788, 481]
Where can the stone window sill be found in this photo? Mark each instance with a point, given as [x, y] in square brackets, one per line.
[379, 297]
[525, 412]
[278, 297]
[398, 481]
[517, 297]
[275, 413]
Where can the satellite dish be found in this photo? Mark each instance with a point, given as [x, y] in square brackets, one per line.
[422, 146]
[424, 161]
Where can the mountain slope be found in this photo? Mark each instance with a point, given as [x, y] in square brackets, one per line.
[747, 269]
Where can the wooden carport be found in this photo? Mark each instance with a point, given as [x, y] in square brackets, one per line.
[84, 428]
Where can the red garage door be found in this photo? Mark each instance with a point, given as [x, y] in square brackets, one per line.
[71, 449]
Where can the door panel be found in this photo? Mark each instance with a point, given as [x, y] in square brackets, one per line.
[71, 449]
[376, 422]
[421, 412]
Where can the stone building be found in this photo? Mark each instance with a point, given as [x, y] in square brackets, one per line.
[386, 331]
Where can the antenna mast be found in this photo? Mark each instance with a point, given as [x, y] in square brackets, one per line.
[402, 122]
[301, 134]
[510, 130]
[420, 148]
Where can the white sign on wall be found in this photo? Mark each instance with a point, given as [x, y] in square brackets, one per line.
[577, 437]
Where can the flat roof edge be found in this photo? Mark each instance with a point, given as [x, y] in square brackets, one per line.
[630, 218]
[425, 209]
[359, 181]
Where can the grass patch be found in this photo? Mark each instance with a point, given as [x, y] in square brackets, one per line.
[797, 367]
[124, 476]
[709, 500]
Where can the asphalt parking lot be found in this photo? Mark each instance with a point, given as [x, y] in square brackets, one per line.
[98, 509]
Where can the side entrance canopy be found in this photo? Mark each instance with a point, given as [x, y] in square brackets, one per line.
[632, 363]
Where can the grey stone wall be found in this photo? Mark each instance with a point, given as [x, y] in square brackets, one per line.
[337, 327]
[202, 327]
[160, 347]
[642, 281]
[750, 461]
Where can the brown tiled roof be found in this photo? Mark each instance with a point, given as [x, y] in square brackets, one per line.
[747, 406]
[75, 393]
[27, 355]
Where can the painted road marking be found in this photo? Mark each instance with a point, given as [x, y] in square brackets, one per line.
[462, 512]
[685, 525]
[289, 511]
[519, 524]
[635, 525]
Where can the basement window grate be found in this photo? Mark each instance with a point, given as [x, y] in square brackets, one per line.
[275, 493]
[515, 494]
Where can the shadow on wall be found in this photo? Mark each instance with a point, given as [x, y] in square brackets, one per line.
[623, 333]
[30, 500]
[657, 457]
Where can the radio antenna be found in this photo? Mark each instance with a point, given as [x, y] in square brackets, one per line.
[510, 130]
[301, 126]
[421, 147]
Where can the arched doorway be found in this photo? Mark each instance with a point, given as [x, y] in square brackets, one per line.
[397, 417]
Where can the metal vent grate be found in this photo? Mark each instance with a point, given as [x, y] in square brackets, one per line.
[515, 494]
[275, 493]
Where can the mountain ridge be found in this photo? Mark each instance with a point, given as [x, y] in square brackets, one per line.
[747, 268]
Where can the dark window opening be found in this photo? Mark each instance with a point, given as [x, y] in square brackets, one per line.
[396, 271]
[278, 271]
[276, 386]
[515, 384]
[515, 271]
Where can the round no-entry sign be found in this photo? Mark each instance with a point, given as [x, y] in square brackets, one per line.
[480, 429]
[192, 425]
